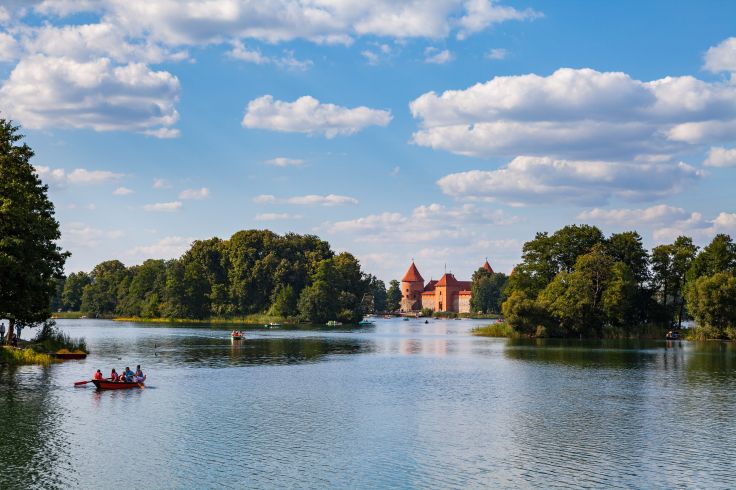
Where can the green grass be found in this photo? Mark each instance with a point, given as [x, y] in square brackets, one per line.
[501, 329]
[67, 315]
[50, 339]
[17, 357]
[254, 319]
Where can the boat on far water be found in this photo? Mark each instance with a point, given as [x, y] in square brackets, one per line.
[236, 335]
[333, 323]
[115, 385]
[365, 322]
[672, 335]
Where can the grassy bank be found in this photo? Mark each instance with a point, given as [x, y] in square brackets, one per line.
[500, 329]
[17, 357]
[254, 319]
[67, 315]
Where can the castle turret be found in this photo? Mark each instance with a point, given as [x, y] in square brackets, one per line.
[487, 266]
[412, 285]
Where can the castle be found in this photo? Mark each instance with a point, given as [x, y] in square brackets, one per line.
[447, 294]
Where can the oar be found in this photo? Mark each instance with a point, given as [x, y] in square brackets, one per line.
[80, 383]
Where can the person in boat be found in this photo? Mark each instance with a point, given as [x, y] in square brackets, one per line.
[128, 375]
[113, 375]
[122, 378]
[98, 376]
[138, 376]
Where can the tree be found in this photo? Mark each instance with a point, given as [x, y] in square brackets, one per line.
[627, 247]
[487, 291]
[100, 297]
[30, 260]
[712, 301]
[393, 295]
[671, 267]
[71, 296]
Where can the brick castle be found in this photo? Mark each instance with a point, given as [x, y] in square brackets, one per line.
[447, 294]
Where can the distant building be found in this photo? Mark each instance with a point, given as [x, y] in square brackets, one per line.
[447, 294]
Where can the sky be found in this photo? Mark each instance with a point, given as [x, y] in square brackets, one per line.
[444, 131]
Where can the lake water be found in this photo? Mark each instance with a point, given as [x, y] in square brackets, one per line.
[400, 405]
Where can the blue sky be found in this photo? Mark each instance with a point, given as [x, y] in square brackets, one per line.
[446, 131]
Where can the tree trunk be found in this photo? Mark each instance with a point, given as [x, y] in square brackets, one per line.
[11, 329]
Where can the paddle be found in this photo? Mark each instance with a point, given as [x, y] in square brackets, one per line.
[80, 383]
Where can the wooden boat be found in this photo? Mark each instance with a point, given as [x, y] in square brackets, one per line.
[70, 355]
[110, 385]
[365, 322]
[236, 336]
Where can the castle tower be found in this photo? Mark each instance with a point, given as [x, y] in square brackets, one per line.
[487, 266]
[412, 286]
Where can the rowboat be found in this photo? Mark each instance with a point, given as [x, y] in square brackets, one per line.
[109, 385]
[70, 355]
[333, 323]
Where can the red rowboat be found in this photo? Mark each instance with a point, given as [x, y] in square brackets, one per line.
[110, 385]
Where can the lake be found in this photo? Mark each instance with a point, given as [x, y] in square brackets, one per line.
[402, 404]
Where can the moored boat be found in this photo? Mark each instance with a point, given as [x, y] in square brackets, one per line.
[65, 354]
[333, 323]
[115, 385]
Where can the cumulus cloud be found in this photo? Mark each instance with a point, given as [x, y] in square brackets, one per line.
[497, 54]
[197, 194]
[722, 57]
[284, 162]
[425, 223]
[77, 234]
[276, 216]
[661, 213]
[437, 57]
[166, 207]
[189, 22]
[697, 227]
[576, 113]
[59, 176]
[308, 115]
[288, 61]
[122, 191]
[43, 92]
[161, 184]
[528, 179]
[307, 200]
[721, 157]
[170, 247]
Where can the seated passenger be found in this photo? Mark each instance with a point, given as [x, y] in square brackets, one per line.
[98, 376]
[113, 375]
[138, 376]
[128, 374]
[122, 378]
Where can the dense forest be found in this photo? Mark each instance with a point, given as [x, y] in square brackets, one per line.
[577, 282]
[255, 271]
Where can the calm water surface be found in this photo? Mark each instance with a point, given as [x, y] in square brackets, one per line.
[400, 405]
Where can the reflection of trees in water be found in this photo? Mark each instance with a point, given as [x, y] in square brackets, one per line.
[30, 444]
[220, 352]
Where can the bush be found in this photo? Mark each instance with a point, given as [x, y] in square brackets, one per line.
[51, 339]
[499, 329]
[12, 356]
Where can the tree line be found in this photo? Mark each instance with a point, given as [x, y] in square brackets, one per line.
[254, 271]
[577, 282]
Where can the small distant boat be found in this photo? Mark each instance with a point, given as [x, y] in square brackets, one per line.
[333, 323]
[236, 335]
[117, 385]
[274, 324]
[365, 322]
[406, 319]
[672, 335]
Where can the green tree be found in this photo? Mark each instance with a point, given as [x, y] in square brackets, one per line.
[393, 295]
[30, 260]
[671, 267]
[712, 301]
[100, 297]
[71, 296]
[487, 291]
[627, 247]
[284, 302]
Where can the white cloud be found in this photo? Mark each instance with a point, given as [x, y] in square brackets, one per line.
[59, 176]
[80, 235]
[43, 92]
[542, 179]
[699, 229]
[497, 54]
[189, 22]
[722, 57]
[123, 191]
[483, 13]
[166, 207]
[721, 157]
[169, 247]
[84, 176]
[161, 184]
[163, 133]
[288, 61]
[308, 115]
[284, 162]
[9, 50]
[198, 194]
[425, 223]
[661, 213]
[433, 55]
[276, 216]
[371, 57]
[310, 199]
[577, 113]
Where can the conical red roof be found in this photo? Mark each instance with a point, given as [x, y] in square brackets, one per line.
[412, 275]
[488, 267]
[447, 280]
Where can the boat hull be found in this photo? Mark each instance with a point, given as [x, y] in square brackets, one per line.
[109, 385]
